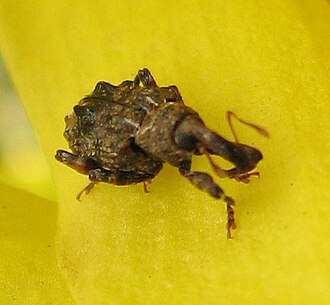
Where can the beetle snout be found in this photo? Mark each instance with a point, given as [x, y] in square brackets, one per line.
[255, 155]
[251, 158]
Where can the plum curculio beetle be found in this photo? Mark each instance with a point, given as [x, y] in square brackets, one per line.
[123, 134]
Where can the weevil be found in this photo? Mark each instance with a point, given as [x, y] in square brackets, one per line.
[124, 134]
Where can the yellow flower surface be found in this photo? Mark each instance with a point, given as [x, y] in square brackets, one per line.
[268, 61]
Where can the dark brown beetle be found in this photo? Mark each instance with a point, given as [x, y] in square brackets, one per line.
[123, 135]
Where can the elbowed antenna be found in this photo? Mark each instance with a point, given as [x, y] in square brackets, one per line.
[256, 127]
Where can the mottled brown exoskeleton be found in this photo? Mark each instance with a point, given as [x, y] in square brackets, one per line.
[123, 134]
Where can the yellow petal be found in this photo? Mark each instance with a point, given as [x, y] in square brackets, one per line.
[29, 272]
[267, 61]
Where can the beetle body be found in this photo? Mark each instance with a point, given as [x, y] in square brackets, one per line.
[123, 134]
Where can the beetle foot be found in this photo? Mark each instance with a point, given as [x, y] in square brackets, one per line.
[145, 187]
[231, 225]
[245, 178]
[85, 190]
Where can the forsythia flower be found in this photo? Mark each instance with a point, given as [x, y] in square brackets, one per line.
[266, 60]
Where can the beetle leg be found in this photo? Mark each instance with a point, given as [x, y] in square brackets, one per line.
[232, 173]
[204, 182]
[231, 225]
[145, 187]
[241, 176]
[85, 190]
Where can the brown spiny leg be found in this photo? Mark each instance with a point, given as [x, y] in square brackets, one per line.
[204, 182]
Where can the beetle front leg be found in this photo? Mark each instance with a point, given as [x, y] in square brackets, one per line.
[241, 176]
[204, 182]
[234, 173]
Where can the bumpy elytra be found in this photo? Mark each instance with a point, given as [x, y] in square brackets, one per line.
[123, 134]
